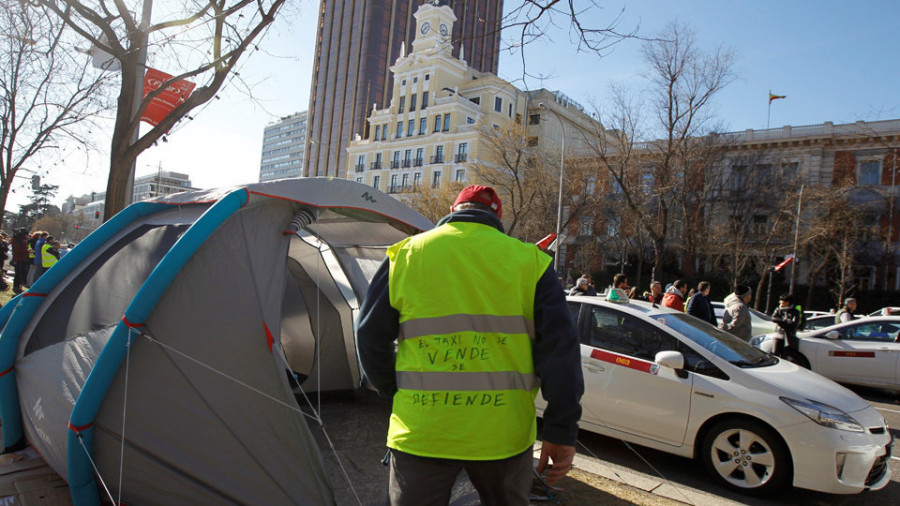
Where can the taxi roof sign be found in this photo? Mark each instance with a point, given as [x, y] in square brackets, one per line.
[617, 295]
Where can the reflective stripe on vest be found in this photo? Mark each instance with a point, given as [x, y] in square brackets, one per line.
[461, 322]
[465, 374]
[47, 260]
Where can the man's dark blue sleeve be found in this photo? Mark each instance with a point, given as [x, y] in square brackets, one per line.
[377, 327]
[557, 361]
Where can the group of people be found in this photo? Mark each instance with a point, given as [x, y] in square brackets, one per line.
[29, 254]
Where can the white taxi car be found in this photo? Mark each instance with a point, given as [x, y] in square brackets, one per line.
[666, 380]
[859, 352]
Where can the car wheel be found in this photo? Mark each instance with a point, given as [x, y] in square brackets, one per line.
[747, 456]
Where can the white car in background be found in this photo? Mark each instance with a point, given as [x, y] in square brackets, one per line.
[760, 322]
[863, 352]
[666, 380]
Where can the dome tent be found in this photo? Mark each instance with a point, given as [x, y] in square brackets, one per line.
[156, 349]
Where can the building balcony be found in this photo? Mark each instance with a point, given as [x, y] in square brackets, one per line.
[461, 157]
[375, 166]
[395, 164]
[418, 162]
[437, 159]
[407, 163]
[360, 167]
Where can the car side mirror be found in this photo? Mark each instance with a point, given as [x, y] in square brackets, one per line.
[670, 359]
[834, 335]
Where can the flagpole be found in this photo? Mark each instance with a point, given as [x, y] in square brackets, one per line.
[769, 113]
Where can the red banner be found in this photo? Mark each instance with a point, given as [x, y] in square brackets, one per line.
[788, 259]
[852, 354]
[162, 104]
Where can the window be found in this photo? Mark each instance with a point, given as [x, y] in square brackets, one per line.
[460, 176]
[436, 179]
[377, 163]
[760, 225]
[591, 186]
[427, 77]
[882, 332]
[739, 177]
[417, 180]
[407, 158]
[376, 182]
[384, 133]
[399, 129]
[587, 226]
[869, 173]
[361, 163]
[424, 99]
[613, 225]
[403, 83]
[423, 125]
[438, 155]
[412, 103]
[510, 110]
[402, 103]
[475, 100]
[469, 120]
[764, 174]
[420, 154]
[462, 152]
[615, 187]
[405, 184]
[411, 128]
[647, 183]
[359, 180]
[415, 80]
[395, 164]
[377, 132]
[446, 122]
[393, 187]
[628, 335]
[534, 119]
[498, 104]
[791, 172]
[437, 123]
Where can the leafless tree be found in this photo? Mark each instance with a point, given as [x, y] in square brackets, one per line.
[662, 142]
[202, 41]
[48, 92]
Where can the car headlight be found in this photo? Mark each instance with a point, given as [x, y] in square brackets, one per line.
[825, 415]
[756, 341]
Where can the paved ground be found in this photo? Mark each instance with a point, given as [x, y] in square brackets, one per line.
[356, 429]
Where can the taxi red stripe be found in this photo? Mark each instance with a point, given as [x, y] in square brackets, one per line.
[852, 354]
[621, 360]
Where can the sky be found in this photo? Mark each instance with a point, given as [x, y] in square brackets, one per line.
[834, 60]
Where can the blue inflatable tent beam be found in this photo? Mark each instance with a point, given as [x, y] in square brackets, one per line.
[81, 434]
[28, 302]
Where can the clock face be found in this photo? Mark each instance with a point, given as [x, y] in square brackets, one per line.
[444, 30]
[425, 27]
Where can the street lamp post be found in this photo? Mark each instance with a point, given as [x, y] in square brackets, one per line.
[559, 208]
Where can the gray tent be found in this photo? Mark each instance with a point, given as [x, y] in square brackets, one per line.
[157, 349]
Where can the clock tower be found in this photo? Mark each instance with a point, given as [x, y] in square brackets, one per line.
[434, 27]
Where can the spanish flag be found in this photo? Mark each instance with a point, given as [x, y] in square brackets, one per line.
[775, 97]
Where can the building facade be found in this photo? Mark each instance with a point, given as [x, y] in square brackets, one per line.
[88, 209]
[284, 148]
[357, 43]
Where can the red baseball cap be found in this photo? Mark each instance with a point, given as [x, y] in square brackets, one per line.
[481, 194]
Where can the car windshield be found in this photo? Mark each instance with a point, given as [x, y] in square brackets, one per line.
[719, 342]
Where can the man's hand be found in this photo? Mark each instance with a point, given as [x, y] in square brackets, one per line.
[561, 455]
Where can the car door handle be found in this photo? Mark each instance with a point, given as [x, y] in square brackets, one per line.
[593, 367]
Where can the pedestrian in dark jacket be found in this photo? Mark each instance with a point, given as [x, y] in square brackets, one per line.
[20, 260]
[787, 317]
[699, 304]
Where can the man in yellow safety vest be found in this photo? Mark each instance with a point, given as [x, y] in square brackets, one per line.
[480, 323]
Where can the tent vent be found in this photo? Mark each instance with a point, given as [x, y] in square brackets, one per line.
[301, 220]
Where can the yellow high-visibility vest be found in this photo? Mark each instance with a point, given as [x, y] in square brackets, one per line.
[465, 374]
[47, 260]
